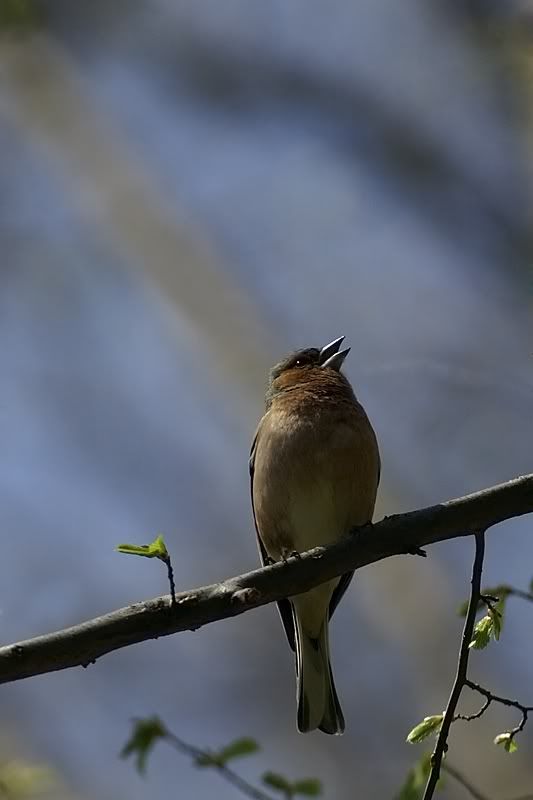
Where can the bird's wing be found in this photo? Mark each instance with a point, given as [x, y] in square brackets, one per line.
[284, 606]
[344, 582]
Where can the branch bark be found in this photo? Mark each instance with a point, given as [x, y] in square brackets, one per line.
[82, 644]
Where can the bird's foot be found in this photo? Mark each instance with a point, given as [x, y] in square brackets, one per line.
[286, 554]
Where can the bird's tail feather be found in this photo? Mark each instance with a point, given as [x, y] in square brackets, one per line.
[318, 704]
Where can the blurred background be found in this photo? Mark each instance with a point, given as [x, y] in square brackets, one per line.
[189, 190]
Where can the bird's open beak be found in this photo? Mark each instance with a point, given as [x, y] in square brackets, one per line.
[330, 355]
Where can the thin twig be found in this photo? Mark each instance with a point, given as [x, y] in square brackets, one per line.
[248, 789]
[462, 667]
[170, 573]
[478, 714]
[490, 697]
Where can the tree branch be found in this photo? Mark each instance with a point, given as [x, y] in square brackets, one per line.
[462, 668]
[505, 701]
[82, 644]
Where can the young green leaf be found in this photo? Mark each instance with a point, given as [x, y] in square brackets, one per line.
[508, 742]
[143, 738]
[277, 782]
[482, 633]
[496, 616]
[425, 728]
[156, 549]
[240, 747]
[309, 787]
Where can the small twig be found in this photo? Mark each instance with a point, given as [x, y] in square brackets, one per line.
[478, 714]
[490, 601]
[170, 573]
[462, 666]
[248, 789]
[490, 697]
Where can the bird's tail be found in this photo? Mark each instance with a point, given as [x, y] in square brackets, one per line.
[318, 704]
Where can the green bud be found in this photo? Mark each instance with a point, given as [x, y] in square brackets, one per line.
[425, 728]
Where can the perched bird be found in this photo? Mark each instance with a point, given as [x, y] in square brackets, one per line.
[314, 470]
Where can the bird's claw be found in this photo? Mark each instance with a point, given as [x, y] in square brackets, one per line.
[290, 554]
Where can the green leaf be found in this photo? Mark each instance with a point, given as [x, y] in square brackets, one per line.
[156, 549]
[145, 734]
[482, 633]
[415, 782]
[490, 626]
[240, 747]
[309, 787]
[508, 742]
[278, 782]
[425, 728]
[531, 585]
[496, 617]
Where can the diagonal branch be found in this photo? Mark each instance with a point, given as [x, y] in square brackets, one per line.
[462, 668]
[82, 644]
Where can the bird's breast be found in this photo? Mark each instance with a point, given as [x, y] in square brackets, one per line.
[315, 477]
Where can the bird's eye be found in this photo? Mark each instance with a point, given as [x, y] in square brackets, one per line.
[298, 362]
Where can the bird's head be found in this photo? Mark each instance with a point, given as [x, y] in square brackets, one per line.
[308, 365]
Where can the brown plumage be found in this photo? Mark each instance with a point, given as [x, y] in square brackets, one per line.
[314, 470]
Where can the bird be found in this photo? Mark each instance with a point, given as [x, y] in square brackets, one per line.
[314, 474]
